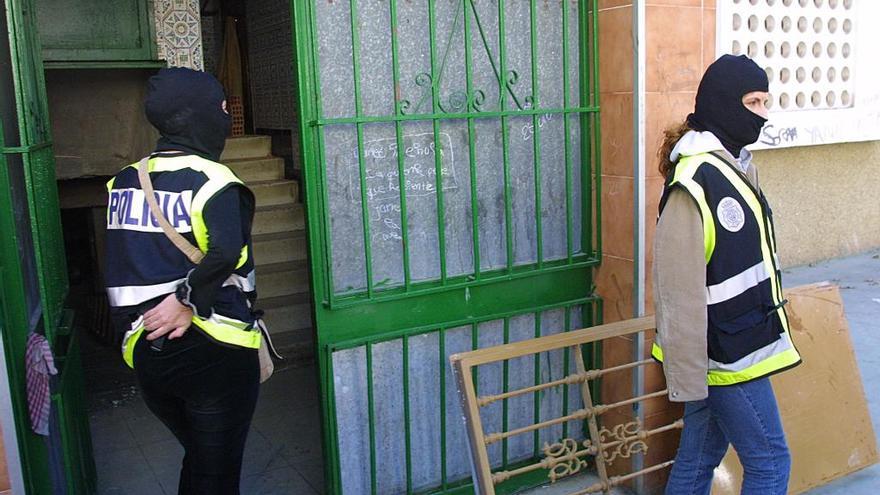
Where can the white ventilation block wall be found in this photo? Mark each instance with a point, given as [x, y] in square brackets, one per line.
[821, 57]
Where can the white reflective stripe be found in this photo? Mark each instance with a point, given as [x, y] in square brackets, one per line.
[135, 294]
[130, 295]
[246, 284]
[737, 284]
[766, 352]
[219, 319]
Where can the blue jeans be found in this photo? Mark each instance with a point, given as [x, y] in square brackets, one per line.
[744, 415]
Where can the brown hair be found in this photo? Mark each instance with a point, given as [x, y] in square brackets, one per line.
[670, 136]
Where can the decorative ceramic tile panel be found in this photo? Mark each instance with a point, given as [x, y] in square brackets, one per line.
[178, 33]
[270, 60]
[817, 55]
[212, 42]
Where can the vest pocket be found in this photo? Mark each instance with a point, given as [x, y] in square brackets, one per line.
[733, 339]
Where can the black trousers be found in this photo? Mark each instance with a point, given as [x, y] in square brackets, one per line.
[205, 393]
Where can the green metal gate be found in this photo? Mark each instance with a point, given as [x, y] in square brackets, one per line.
[452, 195]
[33, 273]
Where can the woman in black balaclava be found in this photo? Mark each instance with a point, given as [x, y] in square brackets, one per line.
[189, 328]
[720, 108]
[721, 324]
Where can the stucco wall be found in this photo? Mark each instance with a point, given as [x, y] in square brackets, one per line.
[98, 121]
[825, 199]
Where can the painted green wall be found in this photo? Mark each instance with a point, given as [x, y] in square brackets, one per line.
[825, 199]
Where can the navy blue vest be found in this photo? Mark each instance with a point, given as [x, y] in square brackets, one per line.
[747, 332]
[142, 263]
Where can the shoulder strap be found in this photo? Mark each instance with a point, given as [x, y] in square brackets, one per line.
[193, 253]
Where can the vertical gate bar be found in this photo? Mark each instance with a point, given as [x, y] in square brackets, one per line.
[594, 35]
[475, 222]
[443, 364]
[309, 63]
[502, 90]
[332, 471]
[536, 397]
[597, 131]
[43, 288]
[406, 415]
[566, 130]
[565, 372]
[536, 137]
[401, 178]
[371, 417]
[592, 424]
[585, 131]
[365, 217]
[322, 168]
[505, 385]
[438, 176]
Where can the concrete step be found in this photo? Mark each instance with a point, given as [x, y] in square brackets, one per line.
[282, 279]
[286, 313]
[297, 347]
[279, 247]
[275, 192]
[257, 169]
[246, 147]
[278, 218]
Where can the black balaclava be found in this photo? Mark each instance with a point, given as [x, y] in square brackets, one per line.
[719, 108]
[185, 106]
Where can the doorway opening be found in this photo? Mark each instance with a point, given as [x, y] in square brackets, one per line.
[99, 127]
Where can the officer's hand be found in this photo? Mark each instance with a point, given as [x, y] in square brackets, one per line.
[168, 316]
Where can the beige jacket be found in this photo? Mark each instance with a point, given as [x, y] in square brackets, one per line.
[679, 279]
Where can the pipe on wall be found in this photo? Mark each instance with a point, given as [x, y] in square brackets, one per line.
[639, 61]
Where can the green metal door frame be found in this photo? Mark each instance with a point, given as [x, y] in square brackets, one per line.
[375, 314]
[33, 272]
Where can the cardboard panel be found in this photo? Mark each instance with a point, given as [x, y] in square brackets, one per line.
[822, 401]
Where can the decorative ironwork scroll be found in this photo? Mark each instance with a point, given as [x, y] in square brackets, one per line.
[627, 441]
[458, 100]
[566, 456]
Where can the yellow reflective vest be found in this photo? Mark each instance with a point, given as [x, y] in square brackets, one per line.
[748, 333]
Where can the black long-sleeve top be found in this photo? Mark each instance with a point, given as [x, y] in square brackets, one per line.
[228, 217]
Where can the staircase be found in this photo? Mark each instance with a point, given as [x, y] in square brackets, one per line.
[279, 241]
